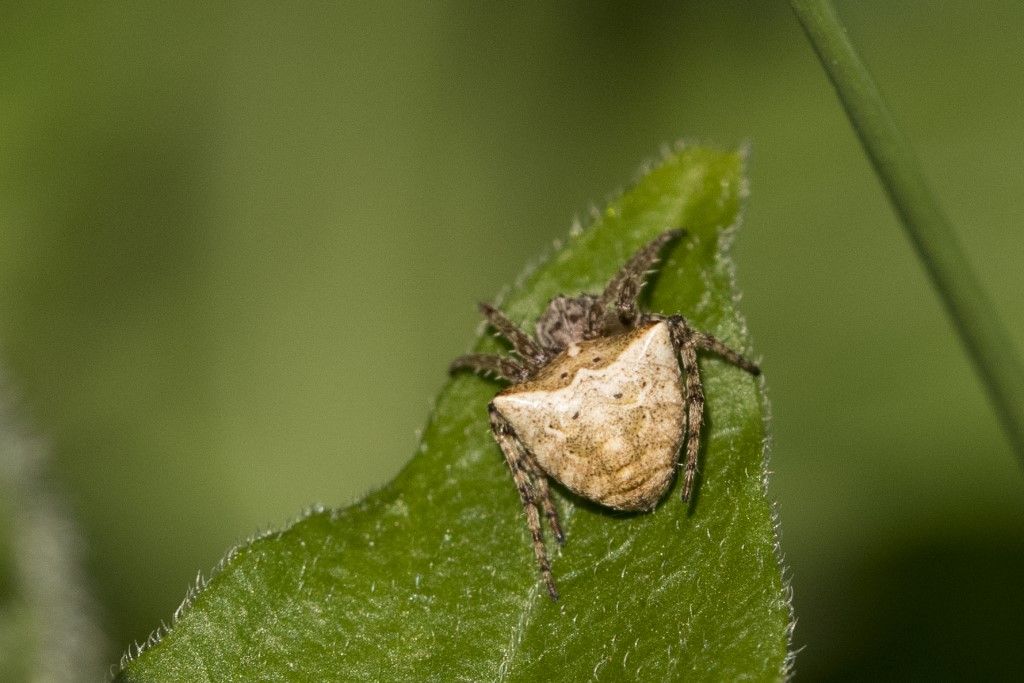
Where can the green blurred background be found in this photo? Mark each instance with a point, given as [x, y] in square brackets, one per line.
[239, 245]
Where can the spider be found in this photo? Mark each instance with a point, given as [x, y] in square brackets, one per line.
[601, 400]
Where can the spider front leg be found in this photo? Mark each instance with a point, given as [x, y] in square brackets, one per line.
[533, 491]
[617, 306]
[717, 346]
[532, 354]
[688, 340]
[486, 364]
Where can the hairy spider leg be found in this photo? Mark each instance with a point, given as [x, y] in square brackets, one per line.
[687, 341]
[527, 349]
[694, 399]
[520, 463]
[501, 367]
[717, 346]
[617, 305]
[546, 501]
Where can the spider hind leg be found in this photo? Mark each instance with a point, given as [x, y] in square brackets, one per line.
[533, 492]
[687, 342]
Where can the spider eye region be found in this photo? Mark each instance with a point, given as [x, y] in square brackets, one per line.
[606, 421]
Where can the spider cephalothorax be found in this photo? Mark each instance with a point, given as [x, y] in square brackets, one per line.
[601, 401]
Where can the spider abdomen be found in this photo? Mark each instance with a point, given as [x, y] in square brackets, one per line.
[605, 417]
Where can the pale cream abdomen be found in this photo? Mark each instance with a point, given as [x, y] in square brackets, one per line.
[606, 418]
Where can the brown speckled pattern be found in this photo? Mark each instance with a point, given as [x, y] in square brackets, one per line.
[605, 417]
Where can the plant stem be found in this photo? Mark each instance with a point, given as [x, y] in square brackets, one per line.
[987, 341]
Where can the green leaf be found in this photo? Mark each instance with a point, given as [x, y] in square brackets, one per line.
[432, 577]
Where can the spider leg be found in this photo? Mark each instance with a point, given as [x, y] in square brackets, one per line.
[518, 459]
[546, 501]
[718, 347]
[524, 345]
[617, 305]
[683, 336]
[688, 340]
[499, 366]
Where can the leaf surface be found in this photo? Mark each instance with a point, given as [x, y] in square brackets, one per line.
[432, 577]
